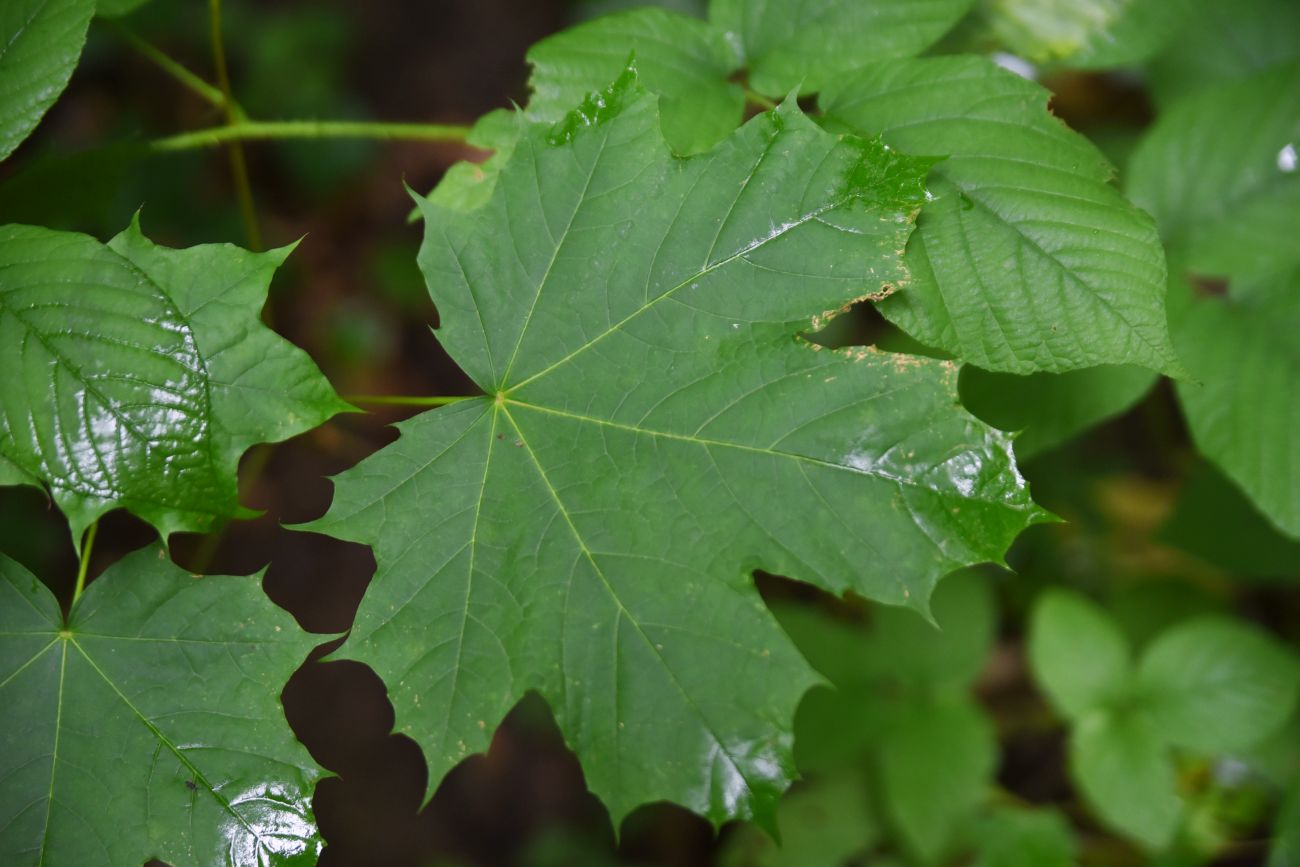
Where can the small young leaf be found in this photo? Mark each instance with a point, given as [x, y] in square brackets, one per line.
[653, 430]
[1024, 838]
[40, 43]
[1124, 768]
[823, 824]
[1078, 654]
[1028, 259]
[136, 376]
[1221, 174]
[149, 724]
[1242, 401]
[1051, 408]
[936, 762]
[808, 45]
[1214, 685]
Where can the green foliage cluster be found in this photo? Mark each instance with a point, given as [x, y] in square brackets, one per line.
[631, 281]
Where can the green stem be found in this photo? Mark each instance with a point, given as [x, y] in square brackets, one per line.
[402, 400]
[310, 129]
[759, 100]
[238, 164]
[190, 81]
[86, 547]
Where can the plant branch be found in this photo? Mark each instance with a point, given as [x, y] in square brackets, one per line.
[310, 129]
[402, 400]
[86, 547]
[173, 68]
[238, 164]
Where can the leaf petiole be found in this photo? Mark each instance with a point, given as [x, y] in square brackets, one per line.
[404, 400]
[86, 547]
[310, 129]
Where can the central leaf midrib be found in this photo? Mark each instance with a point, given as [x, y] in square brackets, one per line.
[623, 610]
[172, 748]
[706, 443]
[709, 269]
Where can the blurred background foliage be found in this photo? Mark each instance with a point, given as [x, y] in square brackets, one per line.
[924, 747]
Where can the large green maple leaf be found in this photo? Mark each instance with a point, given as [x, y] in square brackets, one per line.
[147, 724]
[135, 376]
[653, 430]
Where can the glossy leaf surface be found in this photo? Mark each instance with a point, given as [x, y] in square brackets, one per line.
[806, 45]
[654, 429]
[1028, 259]
[149, 725]
[1220, 172]
[40, 43]
[136, 376]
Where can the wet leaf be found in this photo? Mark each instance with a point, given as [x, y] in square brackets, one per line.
[136, 376]
[653, 430]
[149, 724]
[40, 43]
[1028, 259]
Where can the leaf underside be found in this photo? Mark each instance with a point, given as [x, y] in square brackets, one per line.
[654, 430]
[149, 726]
